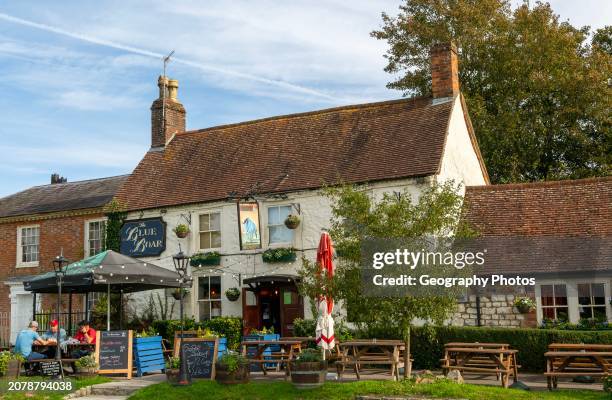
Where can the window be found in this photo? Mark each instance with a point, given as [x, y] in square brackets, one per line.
[28, 249]
[277, 230]
[96, 237]
[592, 301]
[209, 297]
[210, 231]
[554, 302]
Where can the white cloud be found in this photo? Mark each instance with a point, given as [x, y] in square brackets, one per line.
[91, 100]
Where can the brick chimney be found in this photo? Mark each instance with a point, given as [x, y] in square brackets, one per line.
[174, 113]
[444, 70]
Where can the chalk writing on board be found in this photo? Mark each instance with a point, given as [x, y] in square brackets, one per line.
[200, 357]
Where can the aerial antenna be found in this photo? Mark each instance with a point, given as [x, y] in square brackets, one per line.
[165, 82]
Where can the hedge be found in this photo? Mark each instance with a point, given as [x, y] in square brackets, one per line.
[228, 327]
[427, 342]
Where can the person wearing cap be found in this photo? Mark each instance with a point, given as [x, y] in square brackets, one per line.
[26, 338]
[51, 337]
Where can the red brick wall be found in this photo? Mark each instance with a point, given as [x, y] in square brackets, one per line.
[55, 234]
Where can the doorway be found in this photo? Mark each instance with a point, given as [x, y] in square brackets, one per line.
[271, 302]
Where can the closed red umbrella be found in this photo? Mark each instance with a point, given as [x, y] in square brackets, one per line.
[325, 322]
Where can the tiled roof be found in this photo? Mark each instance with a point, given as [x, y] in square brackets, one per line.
[61, 197]
[558, 227]
[362, 143]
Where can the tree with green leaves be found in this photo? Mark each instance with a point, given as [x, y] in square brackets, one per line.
[359, 217]
[538, 91]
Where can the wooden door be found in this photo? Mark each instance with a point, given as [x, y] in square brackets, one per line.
[250, 311]
[292, 307]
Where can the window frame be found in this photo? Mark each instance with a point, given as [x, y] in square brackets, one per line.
[200, 231]
[556, 306]
[572, 296]
[209, 300]
[591, 304]
[19, 261]
[86, 247]
[282, 224]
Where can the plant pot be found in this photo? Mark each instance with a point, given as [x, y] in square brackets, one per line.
[206, 261]
[182, 235]
[232, 296]
[524, 309]
[241, 375]
[13, 369]
[292, 223]
[86, 371]
[308, 375]
[172, 375]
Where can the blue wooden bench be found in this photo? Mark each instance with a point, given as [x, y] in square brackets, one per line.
[148, 355]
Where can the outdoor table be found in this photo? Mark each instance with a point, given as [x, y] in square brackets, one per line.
[478, 345]
[496, 360]
[289, 347]
[579, 362]
[373, 352]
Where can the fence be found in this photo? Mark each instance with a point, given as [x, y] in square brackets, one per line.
[68, 321]
[5, 329]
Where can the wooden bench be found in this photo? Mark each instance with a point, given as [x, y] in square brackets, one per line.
[490, 358]
[357, 353]
[290, 349]
[571, 360]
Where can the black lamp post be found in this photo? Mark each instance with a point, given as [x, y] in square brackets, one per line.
[60, 272]
[181, 262]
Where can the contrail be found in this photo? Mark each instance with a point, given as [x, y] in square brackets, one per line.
[148, 53]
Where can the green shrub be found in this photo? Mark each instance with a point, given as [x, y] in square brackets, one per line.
[5, 357]
[206, 258]
[232, 361]
[86, 362]
[173, 363]
[607, 383]
[227, 327]
[585, 324]
[309, 355]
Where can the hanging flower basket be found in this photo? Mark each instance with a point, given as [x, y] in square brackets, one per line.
[524, 304]
[292, 221]
[279, 255]
[232, 294]
[181, 231]
[178, 293]
[205, 259]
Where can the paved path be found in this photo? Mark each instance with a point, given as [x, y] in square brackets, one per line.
[121, 388]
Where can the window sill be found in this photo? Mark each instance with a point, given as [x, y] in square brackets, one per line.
[28, 265]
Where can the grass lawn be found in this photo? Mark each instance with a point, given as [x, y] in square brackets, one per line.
[77, 383]
[333, 391]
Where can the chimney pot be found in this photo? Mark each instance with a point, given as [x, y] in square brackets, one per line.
[167, 113]
[172, 89]
[444, 70]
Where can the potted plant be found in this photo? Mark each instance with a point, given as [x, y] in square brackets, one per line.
[279, 255]
[524, 304]
[232, 368]
[207, 258]
[232, 294]
[86, 366]
[607, 383]
[308, 370]
[173, 367]
[10, 364]
[178, 293]
[181, 231]
[292, 221]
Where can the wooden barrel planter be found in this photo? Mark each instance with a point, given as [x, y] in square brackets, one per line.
[225, 377]
[172, 375]
[308, 375]
[13, 369]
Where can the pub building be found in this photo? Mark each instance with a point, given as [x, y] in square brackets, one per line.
[234, 186]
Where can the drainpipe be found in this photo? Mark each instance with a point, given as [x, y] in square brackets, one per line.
[478, 318]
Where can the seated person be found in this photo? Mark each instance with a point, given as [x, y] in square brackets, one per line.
[51, 337]
[85, 334]
[25, 339]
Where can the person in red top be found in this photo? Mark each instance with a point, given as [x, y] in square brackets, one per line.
[86, 334]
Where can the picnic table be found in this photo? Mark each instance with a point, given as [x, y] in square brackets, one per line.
[485, 358]
[289, 348]
[370, 352]
[570, 360]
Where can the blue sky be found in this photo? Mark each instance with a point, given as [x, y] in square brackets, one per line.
[78, 78]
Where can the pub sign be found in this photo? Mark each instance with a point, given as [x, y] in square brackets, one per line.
[143, 237]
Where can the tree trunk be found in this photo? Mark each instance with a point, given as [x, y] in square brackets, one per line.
[406, 331]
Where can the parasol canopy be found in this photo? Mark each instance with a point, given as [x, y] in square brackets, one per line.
[108, 268]
[325, 322]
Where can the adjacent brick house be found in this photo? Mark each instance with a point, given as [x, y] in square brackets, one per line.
[35, 226]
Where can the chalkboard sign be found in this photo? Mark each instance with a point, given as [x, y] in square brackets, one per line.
[51, 368]
[184, 334]
[114, 352]
[200, 355]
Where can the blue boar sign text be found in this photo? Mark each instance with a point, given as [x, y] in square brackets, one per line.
[143, 238]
